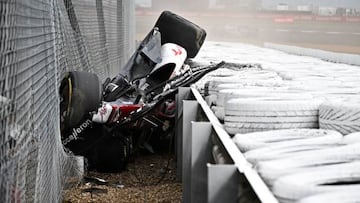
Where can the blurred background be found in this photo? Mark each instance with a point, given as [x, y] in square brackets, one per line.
[332, 25]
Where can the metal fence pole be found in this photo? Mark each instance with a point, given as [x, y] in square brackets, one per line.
[200, 156]
[190, 109]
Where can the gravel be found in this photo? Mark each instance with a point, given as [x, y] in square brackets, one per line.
[148, 178]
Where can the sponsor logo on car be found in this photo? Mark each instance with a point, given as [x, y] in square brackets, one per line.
[77, 131]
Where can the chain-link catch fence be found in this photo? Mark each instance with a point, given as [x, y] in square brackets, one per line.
[39, 41]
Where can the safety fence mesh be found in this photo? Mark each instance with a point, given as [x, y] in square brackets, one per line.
[39, 41]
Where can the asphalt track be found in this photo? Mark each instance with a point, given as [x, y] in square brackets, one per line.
[338, 36]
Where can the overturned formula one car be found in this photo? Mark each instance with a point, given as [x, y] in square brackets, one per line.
[135, 110]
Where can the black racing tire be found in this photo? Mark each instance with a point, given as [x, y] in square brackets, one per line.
[80, 94]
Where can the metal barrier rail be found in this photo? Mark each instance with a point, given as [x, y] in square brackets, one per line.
[202, 181]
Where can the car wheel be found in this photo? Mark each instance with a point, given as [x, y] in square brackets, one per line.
[80, 94]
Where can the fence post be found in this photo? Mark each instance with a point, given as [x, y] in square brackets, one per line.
[200, 156]
[190, 109]
[183, 94]
[223, 183]
[102, 35]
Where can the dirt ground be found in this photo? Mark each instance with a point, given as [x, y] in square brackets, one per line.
[149, 178]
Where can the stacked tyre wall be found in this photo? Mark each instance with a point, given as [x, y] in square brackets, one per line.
[40, 40]
[296, 119]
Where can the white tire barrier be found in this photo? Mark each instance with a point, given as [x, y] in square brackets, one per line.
[274, 169]
[347, 196]
[271, 92]
[205, 83]
[226, 94]
[308, 75]
[351, 138]
[219, 112]
[255, 93]
[233, 128]
[245, 77]
[252, 119]
[210, 99]
[284, 151]
[344, 94]
[216, 84]
[257, 84]
[287, 137]
[316, 180]
[341, 116]
[270, 114]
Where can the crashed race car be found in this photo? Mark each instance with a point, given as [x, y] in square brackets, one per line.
[106, 123]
